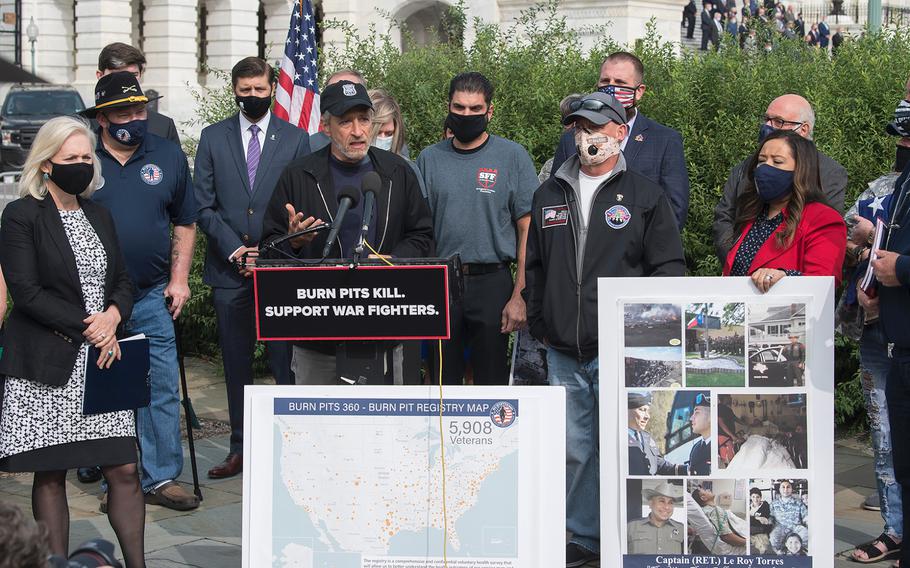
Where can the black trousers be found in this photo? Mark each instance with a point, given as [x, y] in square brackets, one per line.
[705, 36]
[476, 325]
[690, 26]
[235, 312]
[897, 394]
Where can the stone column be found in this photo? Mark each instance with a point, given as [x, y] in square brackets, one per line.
[171, 52]
[98, 23]
[277, 20]
[232, 33]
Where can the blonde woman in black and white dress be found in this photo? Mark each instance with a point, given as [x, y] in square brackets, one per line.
[70, 289]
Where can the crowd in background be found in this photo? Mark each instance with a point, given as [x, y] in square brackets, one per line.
[757, 25]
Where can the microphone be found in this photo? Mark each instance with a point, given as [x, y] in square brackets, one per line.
[348, 197]
[369, 186]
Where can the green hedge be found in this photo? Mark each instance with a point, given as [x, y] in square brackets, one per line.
[714, 99]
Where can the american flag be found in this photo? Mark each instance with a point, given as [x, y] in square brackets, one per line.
[297, 99]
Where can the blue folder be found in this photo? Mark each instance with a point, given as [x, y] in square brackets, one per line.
[125, 386]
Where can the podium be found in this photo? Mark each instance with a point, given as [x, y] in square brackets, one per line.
[362, 308]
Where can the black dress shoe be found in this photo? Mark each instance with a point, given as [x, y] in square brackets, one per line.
[577, 555]
[89, 474]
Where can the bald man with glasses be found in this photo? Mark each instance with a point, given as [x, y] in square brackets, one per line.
[787, 112]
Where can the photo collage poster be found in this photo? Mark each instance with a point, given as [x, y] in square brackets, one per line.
[716, 407]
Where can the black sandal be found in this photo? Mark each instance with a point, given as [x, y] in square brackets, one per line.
[873, 553]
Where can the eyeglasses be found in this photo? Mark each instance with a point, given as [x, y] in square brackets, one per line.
[701, 397]
[780, 123]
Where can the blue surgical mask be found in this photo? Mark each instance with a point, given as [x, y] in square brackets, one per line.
[129, 133]
[764, 132]
[772, 183]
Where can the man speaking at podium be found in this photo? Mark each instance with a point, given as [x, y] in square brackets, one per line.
[308, 193]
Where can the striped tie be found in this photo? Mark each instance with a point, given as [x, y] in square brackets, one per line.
[253, 152]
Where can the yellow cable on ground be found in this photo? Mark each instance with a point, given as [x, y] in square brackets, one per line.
[442, 451]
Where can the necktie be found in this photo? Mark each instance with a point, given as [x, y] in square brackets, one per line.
[253, 153]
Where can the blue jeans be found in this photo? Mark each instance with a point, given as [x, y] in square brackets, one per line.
[158, 425]
[874, 366]
[582, 445]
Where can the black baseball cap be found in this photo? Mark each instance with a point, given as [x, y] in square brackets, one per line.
[338, 98]
[120, 89]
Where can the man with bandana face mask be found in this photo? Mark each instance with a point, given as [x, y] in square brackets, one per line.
[649, 148]
[479, 189]
[787, 112]
[594, 218]
[237, 165]
[146, 186]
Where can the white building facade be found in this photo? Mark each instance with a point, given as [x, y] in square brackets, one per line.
[182, 38]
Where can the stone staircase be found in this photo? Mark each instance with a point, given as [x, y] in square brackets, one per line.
[690, 44]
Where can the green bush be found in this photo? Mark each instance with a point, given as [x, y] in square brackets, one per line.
[714, 99]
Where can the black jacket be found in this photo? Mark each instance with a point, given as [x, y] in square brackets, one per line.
[404, 227]
[44, 331]
[641, 238]
[895, 300]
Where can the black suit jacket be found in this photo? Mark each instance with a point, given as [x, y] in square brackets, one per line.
[230, 212]
[44, 331]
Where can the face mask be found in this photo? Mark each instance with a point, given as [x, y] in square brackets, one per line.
[772, 183]
[383, 143]
[595, 148]
[903, 158]
[254, 107]
[625, 95]
[72, 178]
[467, 128]
[764, 131]
[129, 133]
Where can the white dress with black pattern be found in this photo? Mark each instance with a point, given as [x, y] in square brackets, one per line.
[41, 426]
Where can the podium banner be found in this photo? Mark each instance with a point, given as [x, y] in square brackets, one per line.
[394, 477]
[340, 303]
[705, 453]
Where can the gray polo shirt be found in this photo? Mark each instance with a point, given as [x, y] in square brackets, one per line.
[476, 197]
[646, 538]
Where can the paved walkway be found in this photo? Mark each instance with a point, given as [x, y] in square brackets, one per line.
[210, 537]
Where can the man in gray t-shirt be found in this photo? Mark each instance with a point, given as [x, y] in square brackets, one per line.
[479, 188]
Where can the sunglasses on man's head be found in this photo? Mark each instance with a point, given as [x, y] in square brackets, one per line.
[701, 397]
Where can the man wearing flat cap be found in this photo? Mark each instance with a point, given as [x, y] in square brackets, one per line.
[307, 192]
[644, 456]
[147, 187]
[593, 218]
[658, 533]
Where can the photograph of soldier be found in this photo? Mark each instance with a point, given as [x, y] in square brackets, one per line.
[715, 344]
[669, 432]
[655, 520]
[770, 432]
[529, 360]
[653, 345]
[777, 339]
[716, 516]
[788, 512]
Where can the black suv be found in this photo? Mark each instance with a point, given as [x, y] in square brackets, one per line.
[26, 108]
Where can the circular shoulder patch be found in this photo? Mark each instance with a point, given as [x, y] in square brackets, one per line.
[151, 174]
[502, 414]
[618, 216]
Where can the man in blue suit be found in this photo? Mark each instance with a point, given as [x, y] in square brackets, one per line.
[238, 162]
[650, 149]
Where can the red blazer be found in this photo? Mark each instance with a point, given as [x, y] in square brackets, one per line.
[817, 249]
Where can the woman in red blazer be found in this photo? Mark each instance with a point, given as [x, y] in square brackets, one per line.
[784, 226]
